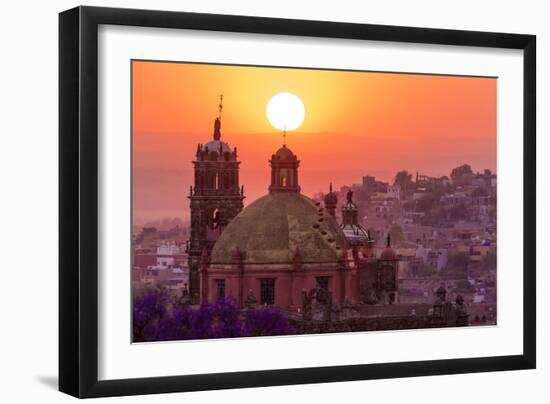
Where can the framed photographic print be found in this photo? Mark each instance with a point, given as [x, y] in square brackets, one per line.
[251, 201]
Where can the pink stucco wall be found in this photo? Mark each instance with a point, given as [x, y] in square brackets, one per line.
[343, 283]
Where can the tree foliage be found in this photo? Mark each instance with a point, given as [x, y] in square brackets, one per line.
[153, 321]
[396, 234]
[404, 180]
[462, 175]
[425, 270]
[458, 261]
[462, 170]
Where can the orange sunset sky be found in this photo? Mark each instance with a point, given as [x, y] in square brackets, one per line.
[356, 123]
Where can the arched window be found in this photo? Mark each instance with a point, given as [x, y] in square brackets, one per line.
[388, 281]
[216, 181]
[283, 180]
[226, 181]
[216, 219]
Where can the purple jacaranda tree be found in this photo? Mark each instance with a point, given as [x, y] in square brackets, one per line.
[266, 321]
[153, 321]
[149, 313]
[218, 320]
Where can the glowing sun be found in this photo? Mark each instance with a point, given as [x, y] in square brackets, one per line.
[285, 111]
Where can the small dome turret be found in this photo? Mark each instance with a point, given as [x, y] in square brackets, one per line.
[330, 202]
[284, 153]
[330, 199]
[284, 171]
[388, 254]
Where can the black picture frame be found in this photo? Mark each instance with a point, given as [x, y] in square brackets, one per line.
[78, 201]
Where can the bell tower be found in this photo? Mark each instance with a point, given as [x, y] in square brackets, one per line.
[215, 199]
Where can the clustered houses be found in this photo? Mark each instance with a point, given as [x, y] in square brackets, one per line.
[444, 229]
[164, 266]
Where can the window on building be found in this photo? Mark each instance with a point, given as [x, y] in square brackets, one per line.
[267, 291]
[322, 282]
[220, 288]
[216, 218]
[226, 181]
[388, 278]
[216, 181]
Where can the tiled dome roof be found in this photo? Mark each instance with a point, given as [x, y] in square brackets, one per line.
[214, 145]
[284, 153]
[274, 226]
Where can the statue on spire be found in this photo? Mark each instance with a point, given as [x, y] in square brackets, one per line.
[218, 121]
[217, 127]
[350, 196]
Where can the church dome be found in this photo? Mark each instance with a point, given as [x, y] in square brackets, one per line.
[388, 254]
[214, 145]
[284, 153]
[331, 199]
[271, 229]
